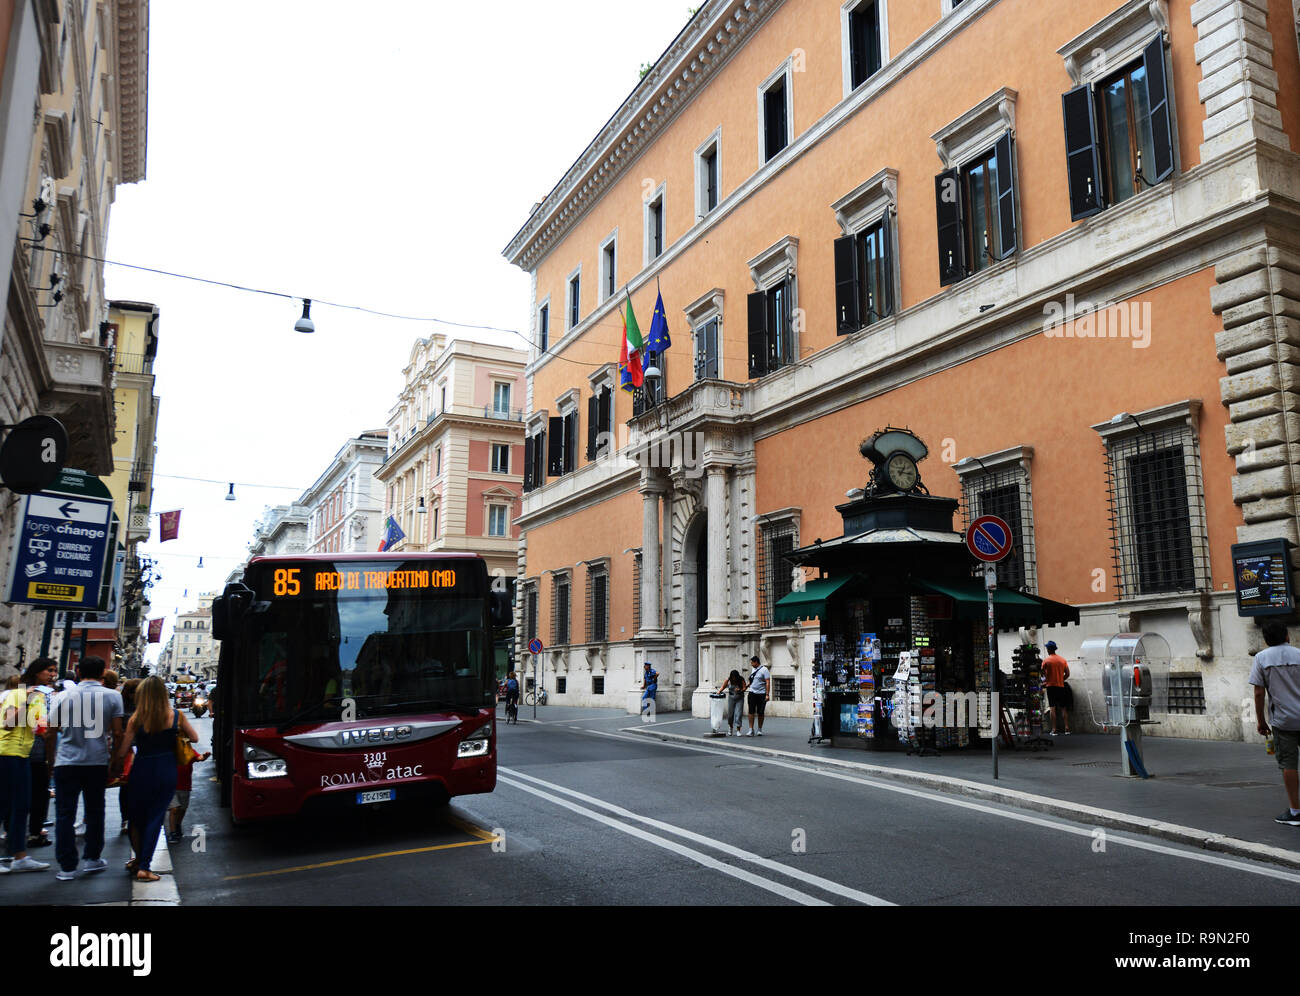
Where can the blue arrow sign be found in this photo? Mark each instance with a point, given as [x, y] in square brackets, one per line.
[60, 551]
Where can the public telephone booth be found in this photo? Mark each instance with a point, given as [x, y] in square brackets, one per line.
[1134, 669]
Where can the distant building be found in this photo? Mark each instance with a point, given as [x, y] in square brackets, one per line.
[193, 649]
[453, 478]
[345, 506]
[282, 530]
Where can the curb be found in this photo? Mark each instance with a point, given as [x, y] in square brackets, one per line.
[1204, 839]
[163, 892]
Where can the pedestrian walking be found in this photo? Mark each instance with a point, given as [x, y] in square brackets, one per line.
[1276, 673]
[512, 698]
[760, 689]
[42, 762]
[153, 730]
[1055, 671]
[734, 686]
[649, 685]
[181, 797]
[89, 721]
[22, 720]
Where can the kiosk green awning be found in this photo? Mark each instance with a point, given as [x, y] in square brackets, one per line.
[1010, 608]
[809, 602]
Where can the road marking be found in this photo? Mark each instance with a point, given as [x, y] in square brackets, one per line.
[671, 845]
[364, 857]
[1112, 836]
[836, 888]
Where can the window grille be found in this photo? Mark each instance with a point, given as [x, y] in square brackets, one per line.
[775, 573]
[783, 689]
[560, 610]
[636, 591]
[1186, 694]
[597, 684]
[597, 603]
[561, 684]
[1157, 512]
[1005, 492]
[529, 620]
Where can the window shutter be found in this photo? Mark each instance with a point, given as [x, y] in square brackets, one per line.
[593, 424]
[1082, 152]
[758, 334]
[555, 447]
[607, 413]
[571, 441]
[887, 257]
[711, 349]
[952, 237]
[847, 293]
[1005, 153]
[528, 463]
[1162, 136]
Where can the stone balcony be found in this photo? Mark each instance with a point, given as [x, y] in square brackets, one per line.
[80, 396]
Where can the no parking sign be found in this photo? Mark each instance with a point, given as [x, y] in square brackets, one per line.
[989, 539]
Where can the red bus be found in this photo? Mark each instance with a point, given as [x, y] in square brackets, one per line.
[355, 679]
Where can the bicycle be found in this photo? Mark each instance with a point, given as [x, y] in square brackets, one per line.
[537, 697]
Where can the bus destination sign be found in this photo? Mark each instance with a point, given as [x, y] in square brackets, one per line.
[290, 582]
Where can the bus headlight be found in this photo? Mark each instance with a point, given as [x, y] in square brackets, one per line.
[263, 764]
[477, 743]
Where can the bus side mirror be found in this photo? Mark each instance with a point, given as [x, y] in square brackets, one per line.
[502, 609]
[229, 608]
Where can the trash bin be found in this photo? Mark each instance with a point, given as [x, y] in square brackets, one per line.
[718, 714]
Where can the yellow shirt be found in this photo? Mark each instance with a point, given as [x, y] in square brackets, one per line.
[29, 718]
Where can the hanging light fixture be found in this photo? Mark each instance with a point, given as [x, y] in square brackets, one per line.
[200, 561]
[230, 495]
[305, 324]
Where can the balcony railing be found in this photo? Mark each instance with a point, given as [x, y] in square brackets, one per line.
[133, 363]
[504, 414]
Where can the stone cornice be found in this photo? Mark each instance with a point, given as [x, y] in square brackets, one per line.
[131, 28]
[702, 47]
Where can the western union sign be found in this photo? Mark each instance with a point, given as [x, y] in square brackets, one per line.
[48, 591]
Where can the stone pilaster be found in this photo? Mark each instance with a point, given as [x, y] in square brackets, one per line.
[1238, 83]
[1258, 298]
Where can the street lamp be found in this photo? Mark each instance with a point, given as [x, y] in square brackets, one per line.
[305, 324]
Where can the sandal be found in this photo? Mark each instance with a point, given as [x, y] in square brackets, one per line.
[145, 875]
[132, 865]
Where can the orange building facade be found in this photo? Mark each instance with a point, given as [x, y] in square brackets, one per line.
[1057, 242]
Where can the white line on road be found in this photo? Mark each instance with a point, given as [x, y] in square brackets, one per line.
[671, 845]
[1083, 831]
[836, 888]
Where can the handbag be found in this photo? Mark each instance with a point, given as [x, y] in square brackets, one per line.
[185, 754]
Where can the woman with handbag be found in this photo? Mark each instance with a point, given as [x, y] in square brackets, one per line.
[156, 730]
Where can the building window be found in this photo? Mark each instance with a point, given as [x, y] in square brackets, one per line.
[783, 689]
[706, 350]
[543, 329]
[501, 400]
[864, 277]
[707, 174]
[774, 108]
[999, 484]
[705, 318]
[434, 525]
[976, 212]
[575, 290]
[771, 309]
[560, 609]
[654, 225]
[598, 602]
[562, 447]
[636, 591]
[1187, 694]
[497, 520]
[609, 267]
[1157, 501]
[1118, 133]
[529, 608]
[597, 684]
[778, 536]
[561, 684]
[437, 457]
[862, 31]
[500, 458]
[600, 422]
[535, 458]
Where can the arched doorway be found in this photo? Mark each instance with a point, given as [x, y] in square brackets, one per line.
[695, 594]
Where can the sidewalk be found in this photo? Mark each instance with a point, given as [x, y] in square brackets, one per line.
[1218, 795]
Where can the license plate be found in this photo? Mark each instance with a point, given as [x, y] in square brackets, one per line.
[380, 795]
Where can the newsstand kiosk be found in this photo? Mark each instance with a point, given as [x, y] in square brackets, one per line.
[902, 659]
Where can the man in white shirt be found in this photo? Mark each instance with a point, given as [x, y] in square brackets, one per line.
[1277, 671]
[759, 688]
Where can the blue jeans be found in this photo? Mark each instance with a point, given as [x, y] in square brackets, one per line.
[70, 782]
[15, 798]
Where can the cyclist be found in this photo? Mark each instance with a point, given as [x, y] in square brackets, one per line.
[512, 698]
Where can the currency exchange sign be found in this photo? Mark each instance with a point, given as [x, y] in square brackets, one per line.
[60, 551]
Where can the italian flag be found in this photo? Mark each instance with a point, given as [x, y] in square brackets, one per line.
[629, 357]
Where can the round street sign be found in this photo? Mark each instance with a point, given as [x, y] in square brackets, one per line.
[33, 454]
[534, 646]
[989, 539]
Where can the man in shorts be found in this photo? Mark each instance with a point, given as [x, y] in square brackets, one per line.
[760, 685]
[1276, 671]
[1055, 671]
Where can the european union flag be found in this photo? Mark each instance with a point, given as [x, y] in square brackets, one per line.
[393, 535]
[658, 340]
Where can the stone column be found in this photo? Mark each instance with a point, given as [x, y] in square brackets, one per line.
[651, 610]
[716, 503]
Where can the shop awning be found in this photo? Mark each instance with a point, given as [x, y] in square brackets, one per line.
[809, 602]
[1010, 608]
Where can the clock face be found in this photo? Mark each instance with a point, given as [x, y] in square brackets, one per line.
[902, 471]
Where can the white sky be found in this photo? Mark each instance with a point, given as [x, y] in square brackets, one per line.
[381, 160]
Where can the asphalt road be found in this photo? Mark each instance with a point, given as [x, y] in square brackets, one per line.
[594, 816]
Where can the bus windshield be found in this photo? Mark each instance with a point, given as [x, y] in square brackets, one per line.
[312, 647]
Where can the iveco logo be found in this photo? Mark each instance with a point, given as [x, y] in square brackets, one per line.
[378, 735]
